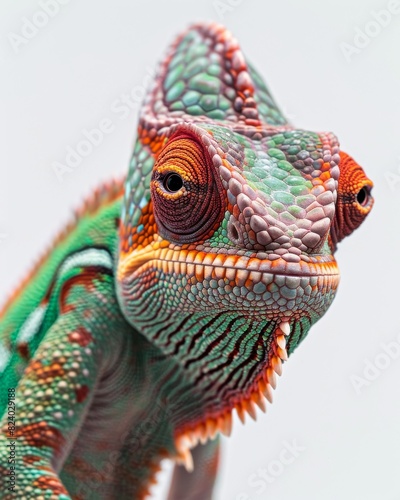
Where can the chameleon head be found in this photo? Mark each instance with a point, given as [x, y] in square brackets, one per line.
[230, 221]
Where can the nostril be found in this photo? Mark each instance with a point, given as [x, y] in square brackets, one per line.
[235, 233]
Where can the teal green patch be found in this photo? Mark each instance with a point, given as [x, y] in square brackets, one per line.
[138, 194]
[263, 109]
[209, 102]
[304, 201]
[224, 104]
[196, 66]
[135, 178]
[196, 50]
[191, 97]
[288, 218]
[293, 180]
[279, 173]
[275, 118]
[279, 138]
[142, 155]
[148, 165]
[175, 91]
[299, 190]
[205, 84]
[285, 165]
[276, 153]
[173, 76]
[284, 197]
[195, 110]
[277, 207]
[261, 173]
[296, 211]
[138, 147]
[216, 114]
[177, 106]
[250, 156]
[274, 184]
[220, 237]
[294, 149]
[214, 70]
[251, 177]
[177, 59]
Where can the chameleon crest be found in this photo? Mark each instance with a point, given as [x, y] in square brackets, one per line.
[175, 296]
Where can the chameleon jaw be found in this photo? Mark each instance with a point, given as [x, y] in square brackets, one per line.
[260, 392]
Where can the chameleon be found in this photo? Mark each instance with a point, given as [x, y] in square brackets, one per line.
[177, 293]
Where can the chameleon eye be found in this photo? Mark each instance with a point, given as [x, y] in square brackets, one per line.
[173, 183]
[187, 199]
[363, 196]
[354, 201]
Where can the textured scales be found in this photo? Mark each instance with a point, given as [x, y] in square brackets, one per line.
[176, 296]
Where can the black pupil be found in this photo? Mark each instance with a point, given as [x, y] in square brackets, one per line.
[362, 196]
[173, 183]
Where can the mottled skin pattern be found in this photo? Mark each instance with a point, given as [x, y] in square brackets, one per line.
[177, 294]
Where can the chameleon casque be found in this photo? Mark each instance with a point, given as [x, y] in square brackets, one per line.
[177, 293]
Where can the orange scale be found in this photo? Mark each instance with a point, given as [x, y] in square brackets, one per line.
[249, 284]
[325, 176]
[326, 166]
[252, 234]
[236, 211]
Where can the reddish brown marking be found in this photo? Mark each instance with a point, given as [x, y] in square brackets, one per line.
[43, 372]
[34, 368]
[80, 336]
[68, 285]
[39, 434]
[31, 459]
[23, 350]
[50, 483]
[86, 279]
[81, 393]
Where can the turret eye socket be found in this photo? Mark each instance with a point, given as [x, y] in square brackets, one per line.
[363, 196]
[173, 183]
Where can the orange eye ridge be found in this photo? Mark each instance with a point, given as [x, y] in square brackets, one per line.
[187, 198]
[354, 201]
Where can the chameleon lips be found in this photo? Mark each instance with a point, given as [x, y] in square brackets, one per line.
[216, 264]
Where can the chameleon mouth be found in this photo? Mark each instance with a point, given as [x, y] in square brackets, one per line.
[221, 422]
[218, 265]
[262, 288]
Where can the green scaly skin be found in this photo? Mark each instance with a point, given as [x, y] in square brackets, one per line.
[176, 295]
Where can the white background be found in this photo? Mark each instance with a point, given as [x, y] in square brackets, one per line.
[67, 78]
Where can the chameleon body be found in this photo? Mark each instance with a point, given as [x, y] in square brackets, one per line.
[177, 293]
